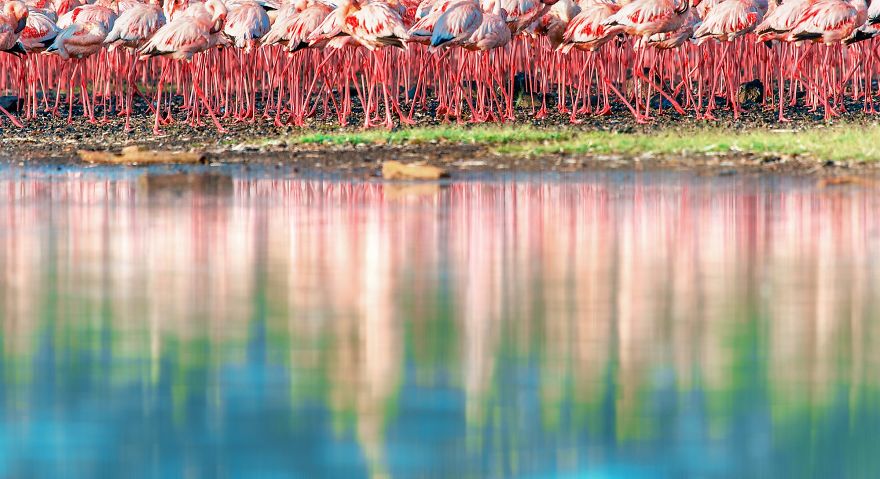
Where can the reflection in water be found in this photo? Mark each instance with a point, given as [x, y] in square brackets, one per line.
[608, 324]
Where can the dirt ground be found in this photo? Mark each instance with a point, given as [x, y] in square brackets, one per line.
[53, 139]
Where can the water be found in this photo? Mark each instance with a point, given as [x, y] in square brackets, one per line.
[598, 325]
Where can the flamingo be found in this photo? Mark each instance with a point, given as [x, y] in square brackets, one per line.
[726, 22]
[829, 22]
[492, 33]
[13, 21]
[643, 18]
[521, 14]
[246, 22]
[587, 30]
[677, 38]
[457, 24]
[196, 30]
[554, 23]
[729, 20]
[871, 27]
[82, 35]
[286, 13]
[39, 32]
[779, 22]
[135, 25]
[330, 33]
[132, 28]
[294, 30]
[375, 25]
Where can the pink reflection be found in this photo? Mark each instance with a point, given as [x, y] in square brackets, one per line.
[647, 275]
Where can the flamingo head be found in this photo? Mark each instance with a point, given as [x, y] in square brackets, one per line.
[218, 11]
[18, 12]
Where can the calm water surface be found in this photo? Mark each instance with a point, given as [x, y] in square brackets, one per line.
[597, 325]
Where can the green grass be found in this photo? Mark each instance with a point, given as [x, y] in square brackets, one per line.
[489, 135]
[844, 142]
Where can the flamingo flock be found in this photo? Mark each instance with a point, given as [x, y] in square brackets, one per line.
[390, 62]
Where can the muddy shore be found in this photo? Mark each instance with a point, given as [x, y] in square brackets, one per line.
[54, 140]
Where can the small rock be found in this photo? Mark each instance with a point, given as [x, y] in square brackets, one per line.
[136, 154]
[395, 170]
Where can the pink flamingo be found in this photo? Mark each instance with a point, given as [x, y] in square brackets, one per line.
[82, 35]
[61, 7]
[196, 30]
[779, 21]
[829, 22]
[643, 18]
[294, 30]
[246, 22]
[587, 30]
[457, 24]
[673, 40]
[278, 32]
[39, 32]
[554, 23]
[330, 33]
[134, 26]
[521, 14]
[13, 21]
[492, 33]
[726, 22]
[375, 25]
[777, 25]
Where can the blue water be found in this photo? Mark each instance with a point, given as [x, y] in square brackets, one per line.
[601, 325]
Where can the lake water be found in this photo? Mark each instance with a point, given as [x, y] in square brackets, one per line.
[585, 325]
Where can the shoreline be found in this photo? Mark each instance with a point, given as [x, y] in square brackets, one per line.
[747, 146]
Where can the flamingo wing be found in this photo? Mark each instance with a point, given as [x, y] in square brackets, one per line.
[376, 25]
[458, 23]
[39, 32]
[304, 24]
[246, 23]
[181, 38]
[827, 19]
[329, 28]
[136, 25]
